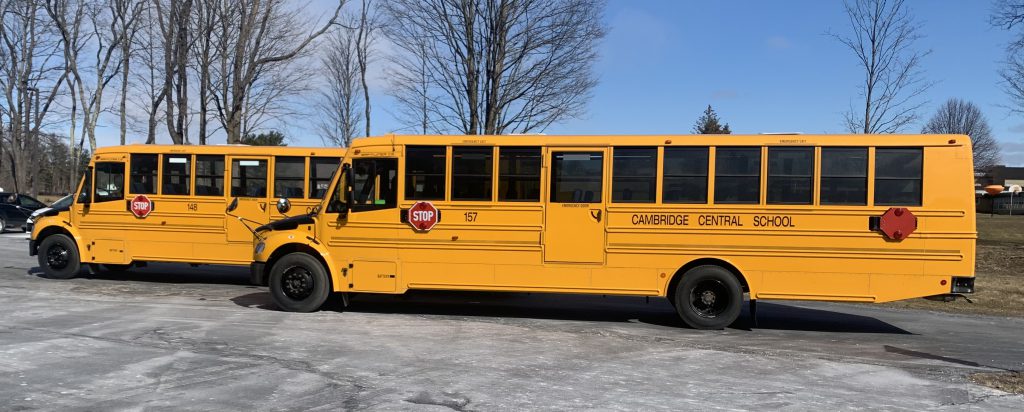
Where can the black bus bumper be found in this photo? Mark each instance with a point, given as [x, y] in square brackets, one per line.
[258, 274]
[32, 247]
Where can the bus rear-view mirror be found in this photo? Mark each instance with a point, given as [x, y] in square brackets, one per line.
[283, 205]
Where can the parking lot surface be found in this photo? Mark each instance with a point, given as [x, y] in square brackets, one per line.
[182, 338]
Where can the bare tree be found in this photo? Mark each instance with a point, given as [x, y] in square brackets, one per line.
[882, 39]
[339, 101]
[127, 15]
[105, 41]
[958, 116]
[501, 66]
[254, 41]
[149, 86]
[1009, 15]
[409, 84]
[173, 19]
[31, 74]
[205, 23]
[365, 36]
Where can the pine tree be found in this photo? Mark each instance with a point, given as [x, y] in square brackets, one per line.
[271, 138]
[708, 123]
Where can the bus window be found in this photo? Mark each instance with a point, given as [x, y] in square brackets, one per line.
[471, 173]
[177, 169]
[634, 174]
[790, 175]
[424, 172]
[289, 174]
[685, 175]
[248, 178]
[898, 176]
[738, 175]
[844, 176]
[519, 174]
[576, 177]
[320, 171]
[209, 175]
[374, 184]
[109, 182]
[143, 174]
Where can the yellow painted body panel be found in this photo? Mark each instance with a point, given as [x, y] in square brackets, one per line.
[814, 251]
[181, 228]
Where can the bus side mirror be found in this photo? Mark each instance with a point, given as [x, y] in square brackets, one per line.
[283, 205]
[232, 206]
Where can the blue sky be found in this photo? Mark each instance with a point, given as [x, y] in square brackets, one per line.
[765, 66]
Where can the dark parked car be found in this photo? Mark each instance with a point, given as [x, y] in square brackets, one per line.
[15, 208]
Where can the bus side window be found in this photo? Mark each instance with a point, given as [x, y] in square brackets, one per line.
[738, 175]
[288, 177]
[471, 172]
[143, 174]
[177, 174]
[248, 178]
[519, 174]
[209, 175]
[898, 176]
[374, 184]
[634, 174]
[790, 175]
[321, 169]
[424, 172]
[109, 182]
[576, 177]
[685, 177]
[844, 175]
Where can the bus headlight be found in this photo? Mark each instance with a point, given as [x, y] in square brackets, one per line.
[259, 247]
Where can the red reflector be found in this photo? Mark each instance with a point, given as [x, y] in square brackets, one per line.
[942, 282]
[952, 141]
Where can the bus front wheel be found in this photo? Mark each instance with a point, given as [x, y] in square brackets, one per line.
[299, 283]
[58, 257]
[708, 297]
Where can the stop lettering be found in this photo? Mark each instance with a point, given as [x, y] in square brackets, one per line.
[141, 206]
[423, 216]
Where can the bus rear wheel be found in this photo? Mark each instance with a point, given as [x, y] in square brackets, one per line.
[708, 297]
[58, 257]
[299, 283]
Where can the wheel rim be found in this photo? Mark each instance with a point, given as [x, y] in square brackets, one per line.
[710, 298]
[57, 257]
[297, 283]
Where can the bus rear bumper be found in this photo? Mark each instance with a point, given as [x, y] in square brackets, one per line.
[957, 288]
[257, 273]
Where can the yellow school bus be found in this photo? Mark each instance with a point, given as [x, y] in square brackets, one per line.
[699, 220]
[166, 203]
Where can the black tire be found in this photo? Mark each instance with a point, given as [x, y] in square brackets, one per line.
[708, 297]
[58, 257]
[3, 224]
[299, 283]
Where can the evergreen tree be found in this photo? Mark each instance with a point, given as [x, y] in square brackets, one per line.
[708, 123]
[271, 138]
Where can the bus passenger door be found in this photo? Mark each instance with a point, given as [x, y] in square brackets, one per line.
[575, 211]
[248, 176]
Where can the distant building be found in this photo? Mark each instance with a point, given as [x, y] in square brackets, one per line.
[1005, 176]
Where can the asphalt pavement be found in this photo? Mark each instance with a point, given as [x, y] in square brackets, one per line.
[183, 338]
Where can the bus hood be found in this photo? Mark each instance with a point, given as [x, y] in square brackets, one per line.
[287, 223]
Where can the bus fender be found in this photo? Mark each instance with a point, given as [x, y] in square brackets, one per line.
[740, 275]
[270, 255]
[56, 226]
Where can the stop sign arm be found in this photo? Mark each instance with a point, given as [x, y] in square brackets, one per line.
[403, 215]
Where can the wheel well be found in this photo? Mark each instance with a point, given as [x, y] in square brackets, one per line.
[292, 248]
[53, 230]
[705, 261]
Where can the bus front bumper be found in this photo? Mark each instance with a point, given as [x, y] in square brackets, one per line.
[258, 274]
[32, 248]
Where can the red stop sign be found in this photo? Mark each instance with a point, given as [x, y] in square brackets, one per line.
[423, 216]
[141, 206]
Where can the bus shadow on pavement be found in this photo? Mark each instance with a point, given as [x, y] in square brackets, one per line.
[596, 308]
[166, 273]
